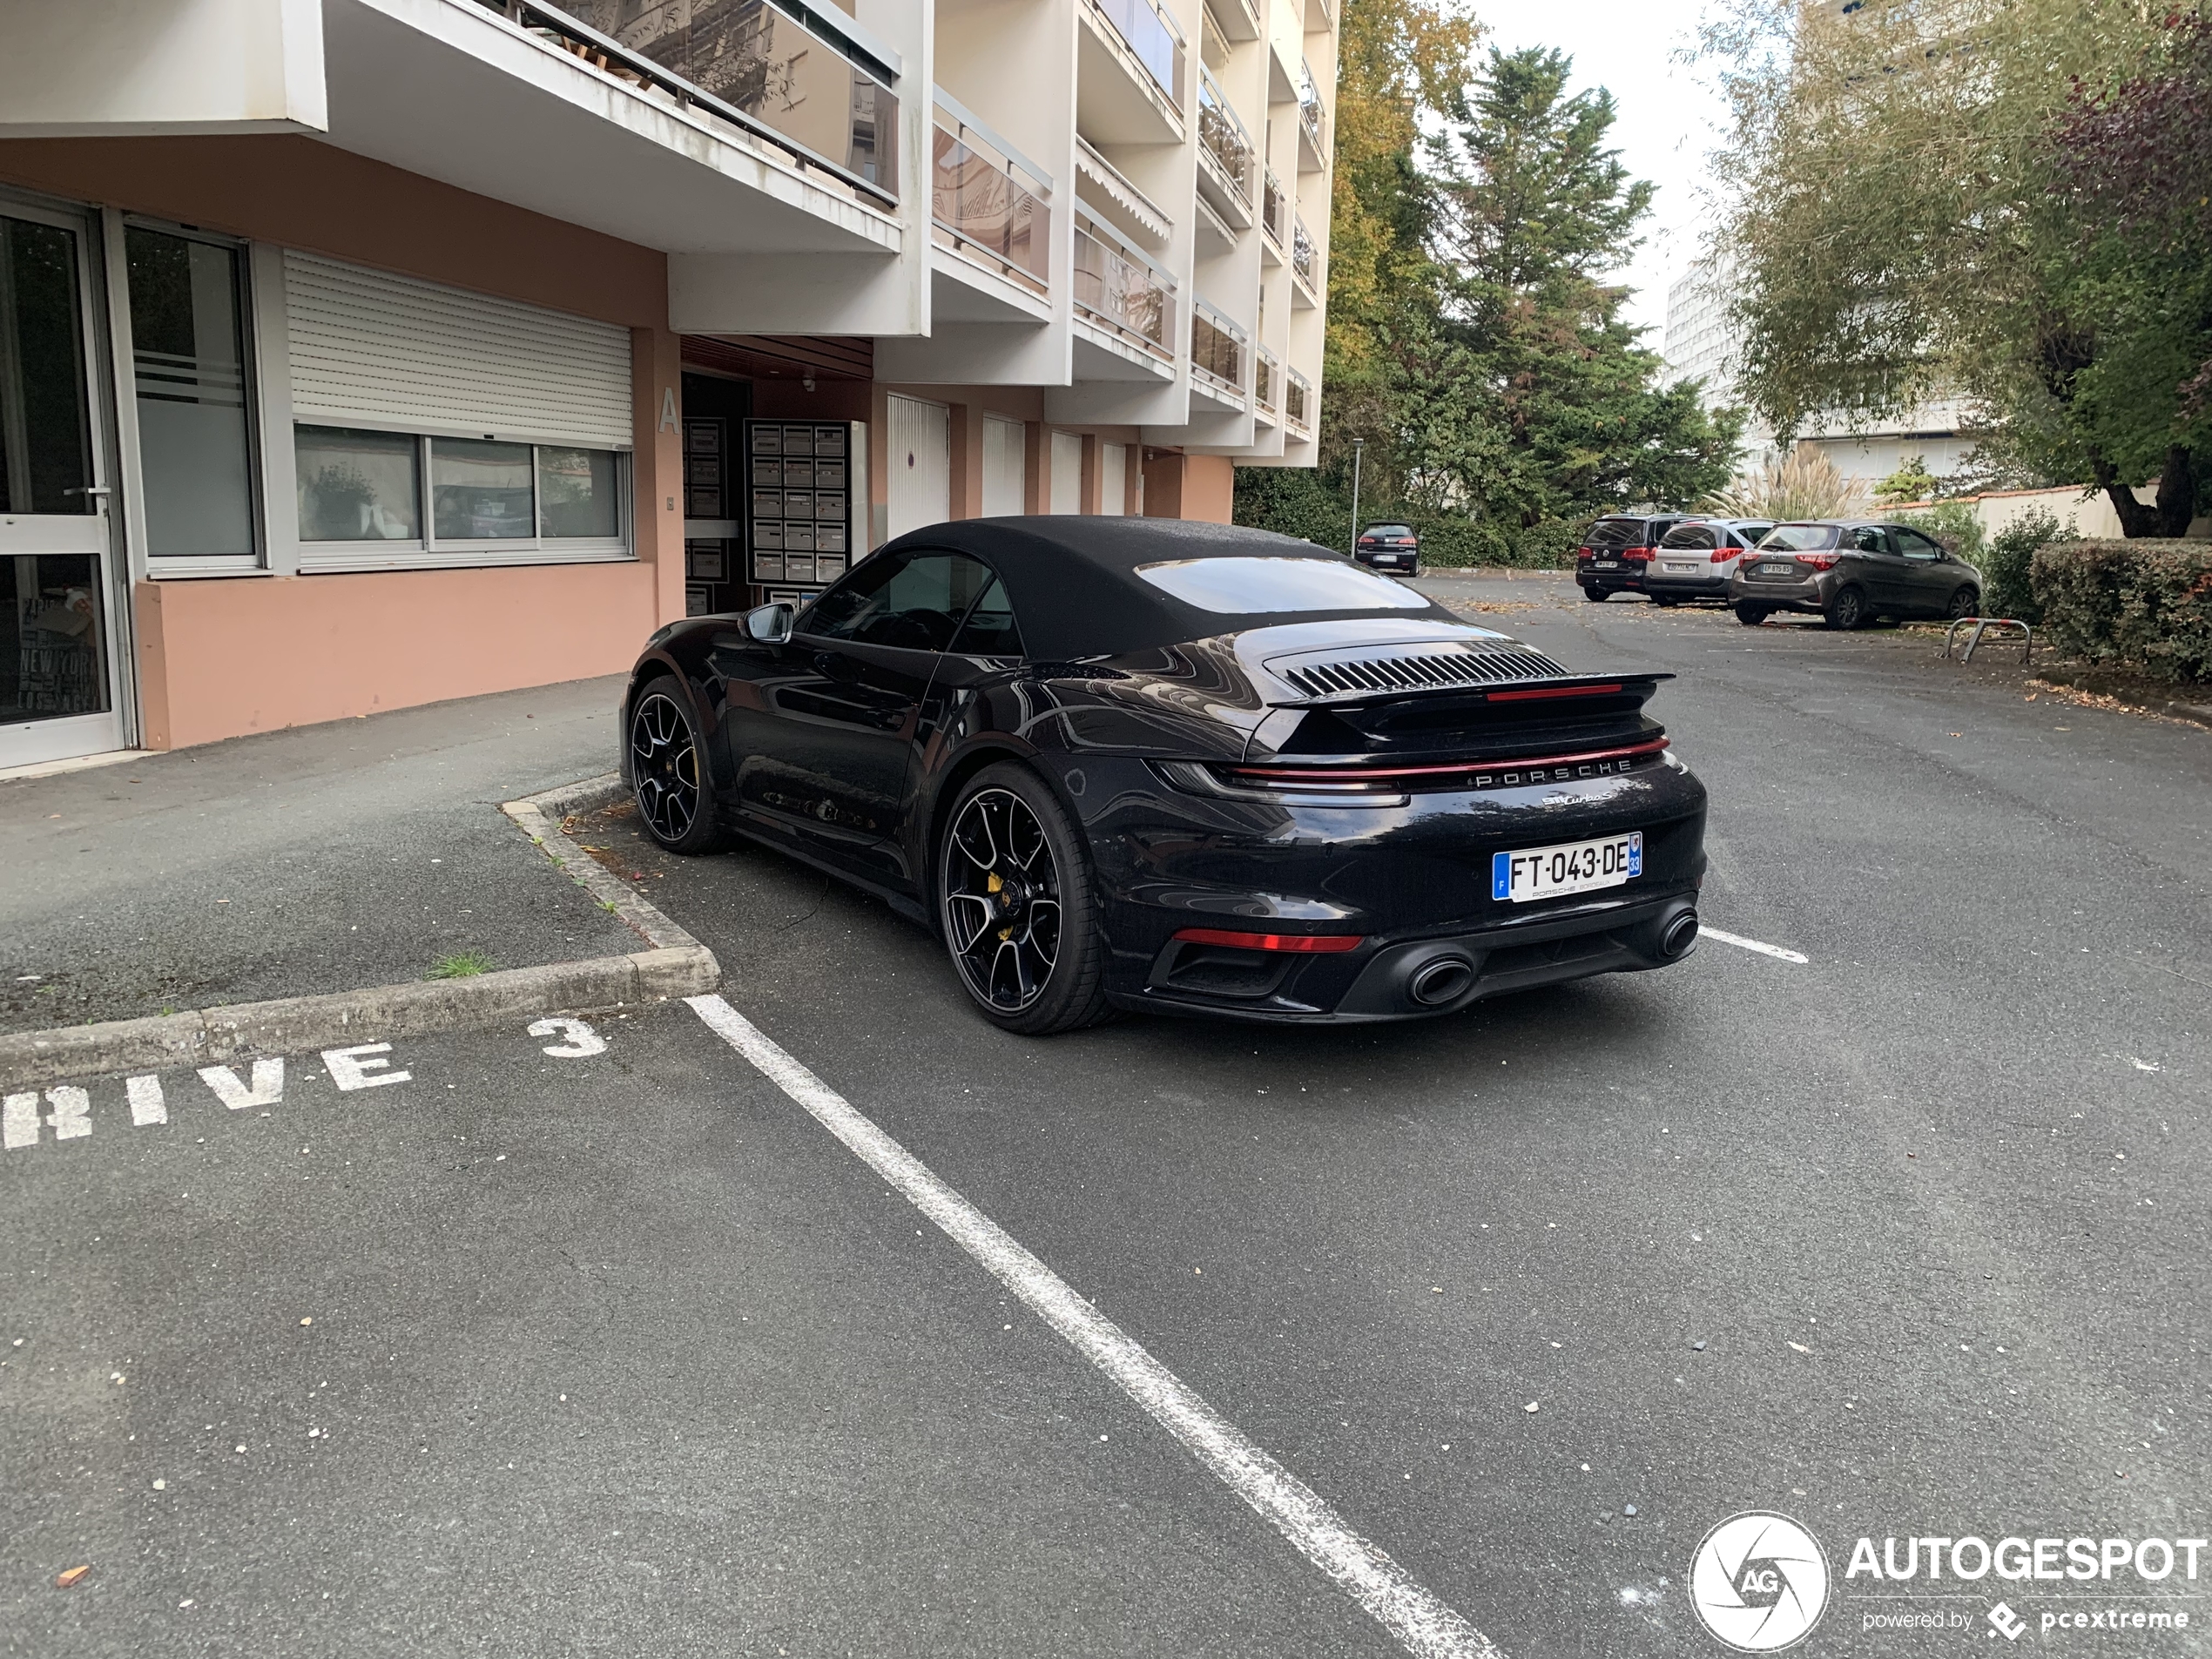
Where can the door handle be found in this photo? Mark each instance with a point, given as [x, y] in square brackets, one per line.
[98, 490]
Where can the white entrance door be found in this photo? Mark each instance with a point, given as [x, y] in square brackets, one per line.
[58, 684]
[920, 465]
[1113, 479]
[1066, 492]
[1005, 462]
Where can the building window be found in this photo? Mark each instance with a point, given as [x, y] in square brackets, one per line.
[358, 486]
[190, 367]
[365, 498]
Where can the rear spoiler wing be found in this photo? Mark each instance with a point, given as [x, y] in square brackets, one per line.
[1533, 692]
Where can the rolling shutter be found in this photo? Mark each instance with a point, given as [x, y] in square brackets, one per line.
[370, 348]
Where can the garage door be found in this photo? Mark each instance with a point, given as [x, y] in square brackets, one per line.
[920, 463]
[1066, 472]
[1005, 446]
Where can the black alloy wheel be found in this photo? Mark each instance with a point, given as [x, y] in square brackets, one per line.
[1014, 902]
[1848, 611]
[1752, 616]
[1965, 603]
[667, 778]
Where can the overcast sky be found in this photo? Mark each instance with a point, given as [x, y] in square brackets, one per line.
[1670, 116]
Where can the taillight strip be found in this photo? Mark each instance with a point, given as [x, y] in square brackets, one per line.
[1541, 693]
[1305, 944]
[1362, 775]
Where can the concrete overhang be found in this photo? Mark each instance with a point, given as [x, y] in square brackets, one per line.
[449, 89]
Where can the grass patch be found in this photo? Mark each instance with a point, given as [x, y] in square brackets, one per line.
[462, 964]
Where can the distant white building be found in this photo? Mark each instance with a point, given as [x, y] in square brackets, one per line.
[1702, 343]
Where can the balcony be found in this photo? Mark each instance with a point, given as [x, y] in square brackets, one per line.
[1305, 290]
[1124, 204]
[1225, 159]
[1312, 123]
[1217, 357]
[1129, 73]
[806, 78]
[987, 205]
[1127, 299]
[1297, 403]
[1267, 378]
[1273, 208]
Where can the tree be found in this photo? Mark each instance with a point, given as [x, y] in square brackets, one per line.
[1539, 402]
[1472, 347]
[1908, 220]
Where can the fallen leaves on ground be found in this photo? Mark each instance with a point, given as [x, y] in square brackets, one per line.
[73, 1577]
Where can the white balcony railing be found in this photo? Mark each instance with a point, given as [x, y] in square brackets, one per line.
[1216, 348]
[1297, 401]
[1118, 286]
[1224, 148]
[1153, 39]
[986, 201]
[812, 85]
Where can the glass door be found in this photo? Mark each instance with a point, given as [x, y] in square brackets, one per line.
[58, 681]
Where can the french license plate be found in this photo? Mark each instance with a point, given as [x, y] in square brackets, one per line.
[1607, 564]
[1681, 569]
[1777, 570]
[1574, 866]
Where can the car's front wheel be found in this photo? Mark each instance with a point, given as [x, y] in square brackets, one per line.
[668, 774]
[1016, 908]
[1965, 603]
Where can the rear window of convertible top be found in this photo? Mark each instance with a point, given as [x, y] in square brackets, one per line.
[1243, 587]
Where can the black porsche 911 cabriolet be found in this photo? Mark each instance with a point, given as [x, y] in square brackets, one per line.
[1152, 764]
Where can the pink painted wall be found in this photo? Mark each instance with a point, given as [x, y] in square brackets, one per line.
[259, 653]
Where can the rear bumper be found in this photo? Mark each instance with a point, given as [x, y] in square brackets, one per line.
[1412, 881]
[1390, 562]
[1686, 587]
[1811, 594]
[1627, 579]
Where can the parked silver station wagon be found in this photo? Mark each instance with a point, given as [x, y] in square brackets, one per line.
[1852, 572]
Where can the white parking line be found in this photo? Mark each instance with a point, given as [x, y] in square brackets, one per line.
[1423, 1624]
[1752, 944]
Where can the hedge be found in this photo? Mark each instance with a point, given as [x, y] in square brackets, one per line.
[2142, 605]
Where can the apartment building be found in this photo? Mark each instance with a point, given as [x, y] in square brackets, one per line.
[361, 353]
[1702, 343]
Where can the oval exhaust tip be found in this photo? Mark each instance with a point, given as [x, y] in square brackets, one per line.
[1441, 981]
[1680, 935]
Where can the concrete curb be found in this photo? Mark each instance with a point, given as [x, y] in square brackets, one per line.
[2100, 684]
[674, 965]
[209, 1036]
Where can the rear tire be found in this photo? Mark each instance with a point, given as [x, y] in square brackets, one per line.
[1752, 616]
[1596, 596]
[1667, 603]
[669, 777]
[1035, 963]
[1965, 603]
[1849, 611]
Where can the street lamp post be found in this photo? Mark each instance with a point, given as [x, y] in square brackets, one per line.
[1358, 449]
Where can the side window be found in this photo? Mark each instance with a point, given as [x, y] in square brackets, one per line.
[989, 630]
[913, 604]
[1867, 539]
[1914, 545]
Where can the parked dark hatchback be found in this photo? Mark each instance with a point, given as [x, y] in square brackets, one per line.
[1147, 764]
[1391, 549]
[1852, 572]
[1618, 550]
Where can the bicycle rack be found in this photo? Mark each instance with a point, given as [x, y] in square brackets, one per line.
[1984, 624]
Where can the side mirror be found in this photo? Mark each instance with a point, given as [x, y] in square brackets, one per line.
[770, 625]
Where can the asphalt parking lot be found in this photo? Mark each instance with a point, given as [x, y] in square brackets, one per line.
[621, 1351]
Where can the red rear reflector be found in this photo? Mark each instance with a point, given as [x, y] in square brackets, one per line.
[1311, 944]
[1539, 693]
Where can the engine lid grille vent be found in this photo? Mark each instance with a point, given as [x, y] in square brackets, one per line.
[1417, 672]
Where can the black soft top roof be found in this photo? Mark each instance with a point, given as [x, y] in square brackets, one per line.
[1075, 586]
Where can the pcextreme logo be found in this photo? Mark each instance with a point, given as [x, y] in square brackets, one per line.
[1759, 1582]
